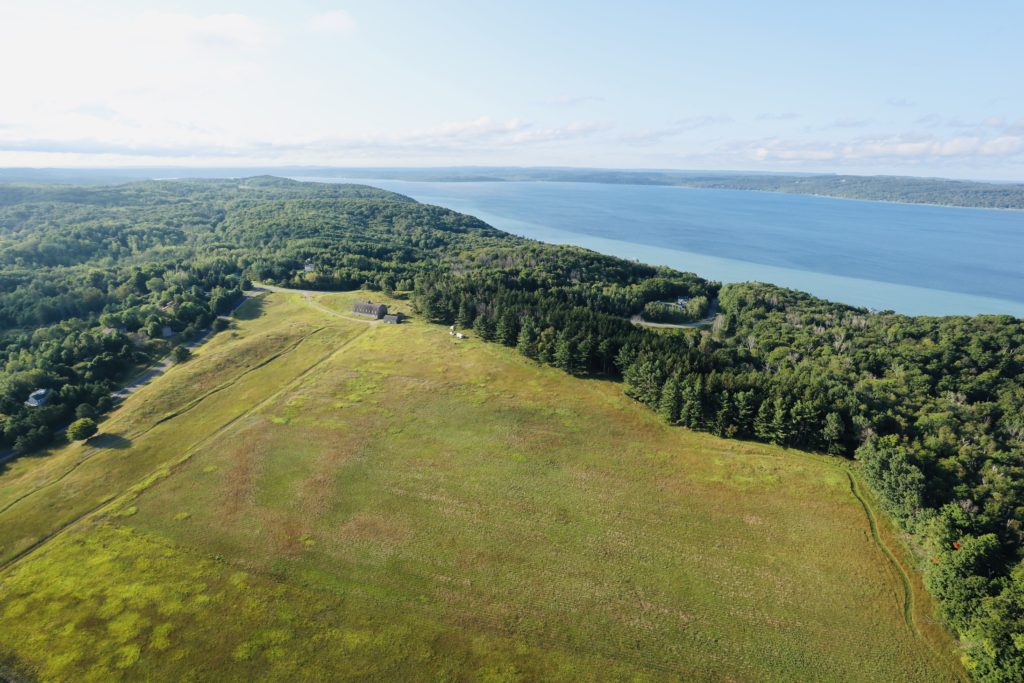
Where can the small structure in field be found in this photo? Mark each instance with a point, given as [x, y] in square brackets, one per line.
[39, 397]
[394, 318]
[370, 309]
[459, 335]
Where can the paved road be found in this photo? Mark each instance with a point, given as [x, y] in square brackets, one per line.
[712, 311]
[308, 295]
[152, 372]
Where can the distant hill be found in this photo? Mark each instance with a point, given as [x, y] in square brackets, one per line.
[903, 189]
[963, 193]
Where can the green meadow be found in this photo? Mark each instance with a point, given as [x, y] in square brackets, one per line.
[317, 497]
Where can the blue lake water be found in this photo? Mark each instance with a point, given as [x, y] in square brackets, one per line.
[915, 259]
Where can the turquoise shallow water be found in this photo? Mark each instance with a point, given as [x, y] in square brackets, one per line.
[914, 259]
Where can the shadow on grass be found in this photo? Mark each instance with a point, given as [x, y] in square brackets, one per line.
[11, 456]
[109, 441]
[250, 310]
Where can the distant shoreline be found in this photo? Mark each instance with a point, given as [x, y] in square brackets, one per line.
[855, 290]
[907, 190]
[911, 190]
[824, 196]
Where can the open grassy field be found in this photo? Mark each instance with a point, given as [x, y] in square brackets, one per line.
[316, 497]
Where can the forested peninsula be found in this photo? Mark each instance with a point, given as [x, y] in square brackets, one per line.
[98, 282]
[899, 189]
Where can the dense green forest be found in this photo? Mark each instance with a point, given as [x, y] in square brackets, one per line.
[667, 312]
[930, 407]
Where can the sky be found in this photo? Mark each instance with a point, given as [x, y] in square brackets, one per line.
[913, 88]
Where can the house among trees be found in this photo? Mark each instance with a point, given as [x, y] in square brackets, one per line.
[371, 309]
[38, 398]
[394, 318]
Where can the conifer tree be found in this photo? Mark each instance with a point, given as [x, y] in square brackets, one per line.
[546, 345]
[507, 330]
[692, 411]
[670, 402]
[526, 342]
[643, 380]
[466, 315]
[725, 418]
[780, 427]
[563, 353]
[745, 412]
[484, 327]
[763, 421]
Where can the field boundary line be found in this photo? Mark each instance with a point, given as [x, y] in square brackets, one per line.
[135, 489]
[194, 403]
[909, 612]
[909, 603]
[908, 589]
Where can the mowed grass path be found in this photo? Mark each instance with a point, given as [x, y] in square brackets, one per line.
[315, 498]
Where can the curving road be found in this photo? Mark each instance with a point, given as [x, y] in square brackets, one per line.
[152, 372]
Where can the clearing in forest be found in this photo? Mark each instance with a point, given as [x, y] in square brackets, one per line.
[312, 497]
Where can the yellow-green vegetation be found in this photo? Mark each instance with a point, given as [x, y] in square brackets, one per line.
[319, 497]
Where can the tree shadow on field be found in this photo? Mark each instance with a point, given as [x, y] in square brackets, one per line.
[109, 441]
[250, 310]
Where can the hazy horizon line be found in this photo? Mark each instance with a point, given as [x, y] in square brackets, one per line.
[430, 167]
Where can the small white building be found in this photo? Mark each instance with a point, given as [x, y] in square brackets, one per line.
[39, 397]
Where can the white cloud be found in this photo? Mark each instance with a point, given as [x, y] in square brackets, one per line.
[479, 133]
[1004, 145]
[910, 148]
[338, 22]
[95, 85]
[777, 150]
[482, 135]
[127, 81]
